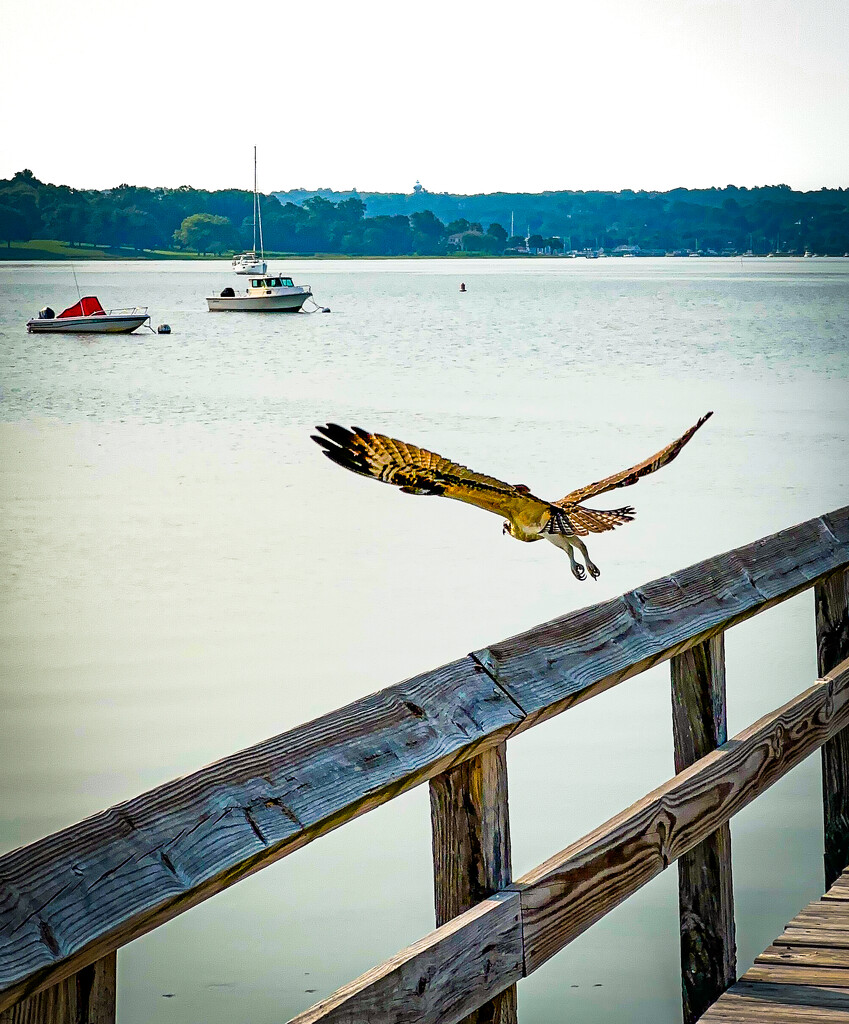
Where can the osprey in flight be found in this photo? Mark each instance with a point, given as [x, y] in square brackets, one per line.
[528, 518]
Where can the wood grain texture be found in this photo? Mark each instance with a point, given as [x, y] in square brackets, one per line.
[572, 890]
[442, 978]
[839, 890]
[471, 832]
[705, 888]
[824, 914]
[786, 974]
[68, 899]
[831, 599]
[759, 1003]
[471, 849]
[570, 659]
[805, 956]
[831, 937]
[790, 995]
[87, 997]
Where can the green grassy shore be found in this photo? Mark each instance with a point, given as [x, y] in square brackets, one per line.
[50, 249]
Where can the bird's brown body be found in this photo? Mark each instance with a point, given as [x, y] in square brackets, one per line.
[527, 517]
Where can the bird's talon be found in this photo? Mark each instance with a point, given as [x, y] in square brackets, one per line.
[595, 572]
[579, 572]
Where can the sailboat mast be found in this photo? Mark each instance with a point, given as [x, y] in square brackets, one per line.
[254, 246]
[258, 213]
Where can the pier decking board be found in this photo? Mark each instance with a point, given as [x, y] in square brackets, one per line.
[803, 976]
[839, 891]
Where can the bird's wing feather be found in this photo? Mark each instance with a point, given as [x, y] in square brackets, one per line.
[630, 476]
[419, 471]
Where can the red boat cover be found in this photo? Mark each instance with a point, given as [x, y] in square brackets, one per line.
[87, 306]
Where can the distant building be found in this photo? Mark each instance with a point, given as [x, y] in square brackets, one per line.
[418, 187]
[457, 238]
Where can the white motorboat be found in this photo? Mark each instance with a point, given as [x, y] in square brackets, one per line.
[267, 294]
[88, 317]
[249, 263]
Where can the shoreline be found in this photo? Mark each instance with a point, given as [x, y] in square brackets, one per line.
[59, 253]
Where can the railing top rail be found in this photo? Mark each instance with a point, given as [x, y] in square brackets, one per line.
[68, 899]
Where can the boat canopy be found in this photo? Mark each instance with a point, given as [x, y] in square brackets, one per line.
[89, 305]
[272, 282]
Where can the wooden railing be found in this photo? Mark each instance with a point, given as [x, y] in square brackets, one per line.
[69, 901]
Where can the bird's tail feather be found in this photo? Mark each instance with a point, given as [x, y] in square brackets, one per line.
[596, 520]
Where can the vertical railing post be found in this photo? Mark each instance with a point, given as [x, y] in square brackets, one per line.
[705, 891]
[831, 598]
[471, 849]
[87, 997]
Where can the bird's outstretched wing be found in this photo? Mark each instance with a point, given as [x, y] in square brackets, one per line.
[630, 476]
[418, 471]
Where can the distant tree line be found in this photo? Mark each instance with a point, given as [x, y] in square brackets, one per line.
[767, 219]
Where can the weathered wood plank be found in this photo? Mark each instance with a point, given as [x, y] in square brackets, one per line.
[783, 974]
[471, 849]
[440, 979]
[87, 997]
[471, 832]
[779, 1004]
[831, 599]
[804, 956]
[68, 899]
[572, 890]
[828, 937]
[748, 1011]
[791, 995]
[823, 913]
[705, 888]
[570, 659]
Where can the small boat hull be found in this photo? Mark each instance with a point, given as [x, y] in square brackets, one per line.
[97, 324]
[256, 269]
[287, 303]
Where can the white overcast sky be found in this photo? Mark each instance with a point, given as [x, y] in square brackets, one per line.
[467, 96]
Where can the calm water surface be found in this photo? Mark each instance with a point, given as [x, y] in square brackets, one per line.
[183, 575]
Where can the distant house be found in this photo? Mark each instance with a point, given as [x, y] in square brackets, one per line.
[457, 238]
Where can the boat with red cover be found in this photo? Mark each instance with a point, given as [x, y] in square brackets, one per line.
[88, 317]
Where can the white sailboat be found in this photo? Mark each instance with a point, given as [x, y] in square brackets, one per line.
[249, 262]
